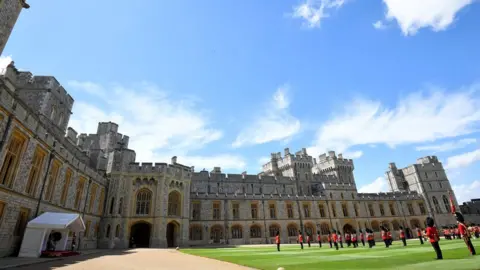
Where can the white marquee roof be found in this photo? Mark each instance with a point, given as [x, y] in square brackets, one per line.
[58, 221]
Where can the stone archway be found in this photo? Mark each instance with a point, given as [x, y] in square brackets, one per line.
[140, 235]
[347, 228]
[172, 232]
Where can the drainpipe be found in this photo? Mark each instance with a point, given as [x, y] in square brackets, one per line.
[84, 209]
[45, 178]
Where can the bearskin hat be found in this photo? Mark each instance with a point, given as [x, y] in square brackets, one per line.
[334, 231]
[459, 217]
[318, 232]
[430, 222]
[401, 227]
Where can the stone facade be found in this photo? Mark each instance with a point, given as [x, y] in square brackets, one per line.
[471, 211]
[9, 13]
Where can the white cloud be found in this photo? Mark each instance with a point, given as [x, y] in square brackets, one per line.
[263, 160]
[379, 25]
[467, 192]
[462, 160]
[5, 61]
[353, 155]
[313, 11]
[378, 185]
[418, 118]
[412, 15]
[448, 146]
[274, 124]
[158, 125]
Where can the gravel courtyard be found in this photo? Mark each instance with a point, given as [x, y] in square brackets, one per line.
[166, 259]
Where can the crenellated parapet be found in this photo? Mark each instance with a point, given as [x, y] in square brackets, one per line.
[331, 160]
[397, 195]
[179, 171]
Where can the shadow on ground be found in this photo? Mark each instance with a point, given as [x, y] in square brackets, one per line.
[47, 265]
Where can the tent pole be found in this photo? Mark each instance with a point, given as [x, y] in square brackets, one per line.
[45, 178]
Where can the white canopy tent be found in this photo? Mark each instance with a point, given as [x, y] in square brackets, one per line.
[39, 229]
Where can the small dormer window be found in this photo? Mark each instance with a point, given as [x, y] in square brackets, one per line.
[52, 113]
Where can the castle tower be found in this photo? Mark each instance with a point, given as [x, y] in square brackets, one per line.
[337, 166]
[9, 13]
[396, 179]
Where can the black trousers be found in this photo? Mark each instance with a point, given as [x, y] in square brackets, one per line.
[386, 241]
[341, 244]
[336, 245]
[404, 241]
[330, 244]
[355, 244]
[308, 243]
[370, 243]
[363, 242]
[348, 243]
[278, 247]
[438, 251]
[301, 245]
[320, 243]
[471, 248]
[421, 240]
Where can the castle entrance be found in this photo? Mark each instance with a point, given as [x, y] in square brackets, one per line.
[172, 229]
[347, 228]
[140, 235]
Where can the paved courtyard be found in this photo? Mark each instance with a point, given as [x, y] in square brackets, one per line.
[165, 259]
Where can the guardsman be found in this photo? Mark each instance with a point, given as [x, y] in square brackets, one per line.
[362, 238]
[389, 237]
[354, 239]
[277, 240]
[340, 239]
[384, 236]
[309, 239]
[477, 231]
[419, 235]
[329, 239]
[300, 239]
[402, 236]
[348, 239]
[319, 239]
[335, 239]
[463, 230]
[432, 234]
[370, 239]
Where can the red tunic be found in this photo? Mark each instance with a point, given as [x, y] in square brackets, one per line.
[354, 238]
[361, 236]
[334, 237]
[370, 236]
[402, 234]
[347, 237]
[463, 229]
[389, 235]
[384, 235]
[319, 238]
[432, 234]
[300, 238]
[339, 238]
[277, 239]
[308, 238]
[329, 239]
[419, 232]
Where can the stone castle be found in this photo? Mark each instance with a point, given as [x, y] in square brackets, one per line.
[46, 166]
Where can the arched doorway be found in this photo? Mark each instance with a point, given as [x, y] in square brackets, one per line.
[347, 228]
[172, 229]
[140, 235]
[216, 233]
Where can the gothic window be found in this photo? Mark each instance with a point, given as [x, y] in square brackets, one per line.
[237, 232]
[93, 197]
[216, 211]
[174, 204]
[370, 209]
[436, 174]
[309, 229]
[436, 205]
[79, 192]
[112, 205]
[117, 231]
[144, 198]
[60, 119]
[12, 158]
[382, 210]
[355, 207]
[306, 210]
[292, 230]
[236, 210]
[345, 210]
[66, 186]
[446, 203]
[324, 228]
[254, 210]
[107, 234]
[35, 171]
[196, 209]
[120, 206]
[289, 210]
[334, 211]
[255, 231]
[410, 209]
[423, 211]
[321, 209]
[195, 232]
[273, 229]
[273, 212]
[375, 226]
[392, 209]
[53, 112]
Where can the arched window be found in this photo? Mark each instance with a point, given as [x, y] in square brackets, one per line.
[309, 229]
[60, 119]
[120, 206]
[117, 231]
[196, 232]
[395, 225]
[237, 232]
[255, 232]
[446, 203]
[375, 226]
[144, 198]
[273, 229]
[436, 205]
[174, 203]
[112, 205]
[292, 230]
[53, 112]
[107, 234]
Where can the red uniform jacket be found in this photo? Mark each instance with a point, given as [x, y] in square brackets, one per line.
[432, 234]
[384, 235]
[389, 235]
[370, 236]
[334, 237]
[419, 232]
[319, 238]
[462, 228]
[277, 239]
[347, 237]
[361, 236]
[308, 238]
[354, 237]
[402, 234]
[300, 238]
[329, 239]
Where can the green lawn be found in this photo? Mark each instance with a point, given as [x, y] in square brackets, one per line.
[414, 256]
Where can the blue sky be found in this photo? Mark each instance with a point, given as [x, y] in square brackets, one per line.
[226, 83]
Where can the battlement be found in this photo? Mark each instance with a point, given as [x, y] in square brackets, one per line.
[25, 80]
[240, 178]
[427, 160]
[397, 195]
[159, 167]
[335, 160]
[251, 196]
[106, 127]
